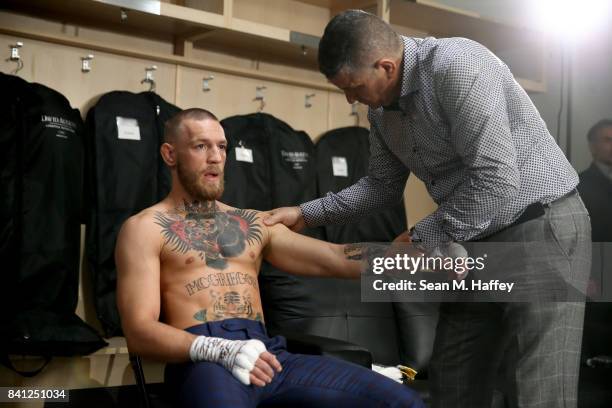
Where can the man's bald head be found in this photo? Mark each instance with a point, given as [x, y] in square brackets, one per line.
[353, 39]
[175, 126]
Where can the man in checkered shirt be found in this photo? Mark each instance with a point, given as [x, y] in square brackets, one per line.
[450, 111]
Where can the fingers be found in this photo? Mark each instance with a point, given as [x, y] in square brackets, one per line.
[265, 368]
[270, 360]
[403, 237]
[289, 216]
[275, 216]
[259, 376]
[256, 381]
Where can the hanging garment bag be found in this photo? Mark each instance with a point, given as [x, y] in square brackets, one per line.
[342, 159]
[125, 175]
[269, 164]
[41, 141]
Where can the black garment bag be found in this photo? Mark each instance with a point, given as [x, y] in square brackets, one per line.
[41, 179]
[125, 175]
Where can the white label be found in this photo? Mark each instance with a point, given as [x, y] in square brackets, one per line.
[63, 127]
[127, 128]
[297, 159]
[339, 166]
[244, 155]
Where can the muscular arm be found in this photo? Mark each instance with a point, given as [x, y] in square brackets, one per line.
[138, 296]
[301, 255]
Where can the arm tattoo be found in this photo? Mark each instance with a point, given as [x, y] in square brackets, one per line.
[214, 234]
[365, 252]
[361, 251]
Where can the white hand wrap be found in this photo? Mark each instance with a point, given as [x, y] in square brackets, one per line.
[237, 356]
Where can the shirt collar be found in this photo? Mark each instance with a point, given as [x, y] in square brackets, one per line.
[410, 84]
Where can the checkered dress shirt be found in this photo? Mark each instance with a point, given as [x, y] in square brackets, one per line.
[468, 130]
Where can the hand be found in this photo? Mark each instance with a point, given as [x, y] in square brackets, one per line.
[404, 237]
[265, 368]
[247, 360]
[289, 216]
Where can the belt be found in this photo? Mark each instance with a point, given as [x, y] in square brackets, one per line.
[536, 210]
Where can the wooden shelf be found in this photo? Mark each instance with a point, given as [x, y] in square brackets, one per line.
[513, 43]
[222, 31]
[154, 19]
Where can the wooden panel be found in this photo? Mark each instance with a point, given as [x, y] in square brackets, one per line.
[417, 201]
[59, 67]
[23, 23]
[289, 14]
[231, 95]
[448, 22]
[237, 65]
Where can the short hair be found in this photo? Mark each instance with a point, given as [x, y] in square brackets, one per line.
[174, 126]
[598, 127]
[352, 39]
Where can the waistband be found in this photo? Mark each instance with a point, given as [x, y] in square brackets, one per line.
[219, 327]
[536, 209]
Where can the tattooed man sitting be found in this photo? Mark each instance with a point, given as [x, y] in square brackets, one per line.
[187, 291]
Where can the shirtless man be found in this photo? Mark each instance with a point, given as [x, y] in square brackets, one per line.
[187, 291]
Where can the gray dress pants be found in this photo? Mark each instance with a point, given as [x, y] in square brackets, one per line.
[528, 350]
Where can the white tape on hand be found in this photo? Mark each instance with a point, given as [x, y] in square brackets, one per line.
[236, 356]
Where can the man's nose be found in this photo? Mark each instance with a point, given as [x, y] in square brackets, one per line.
[350, 98]
[215, 155]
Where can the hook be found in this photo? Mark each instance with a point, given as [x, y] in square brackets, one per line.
[86, 63]
[355, 112]
[259, 96]
[16, 57]
[206, 83]
[307, 103]
[149, 78]
[123, 15]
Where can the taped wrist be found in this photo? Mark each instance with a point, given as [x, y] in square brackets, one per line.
[236, 356]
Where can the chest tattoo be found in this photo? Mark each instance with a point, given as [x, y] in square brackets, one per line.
[214, 234]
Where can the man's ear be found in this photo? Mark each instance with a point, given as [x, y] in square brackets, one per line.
[389, 65]
[168, 154]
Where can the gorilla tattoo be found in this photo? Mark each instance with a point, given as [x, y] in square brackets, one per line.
[214, 234]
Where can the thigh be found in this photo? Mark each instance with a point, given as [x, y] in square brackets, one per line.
[466, 356]
[325, 382]
[207, 385]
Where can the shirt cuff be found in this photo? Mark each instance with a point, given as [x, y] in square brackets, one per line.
[313, 213]
[430, 232]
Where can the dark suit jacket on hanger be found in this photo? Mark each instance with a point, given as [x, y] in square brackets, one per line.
[596, 191]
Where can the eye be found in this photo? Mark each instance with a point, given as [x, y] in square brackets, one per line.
[223, 147]
[201, 146]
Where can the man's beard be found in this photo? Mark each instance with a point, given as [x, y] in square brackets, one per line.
[191, 182]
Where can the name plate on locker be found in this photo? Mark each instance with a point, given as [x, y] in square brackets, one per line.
[339, 166]
[127, 128]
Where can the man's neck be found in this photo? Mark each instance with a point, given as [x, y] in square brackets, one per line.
[189, 205]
